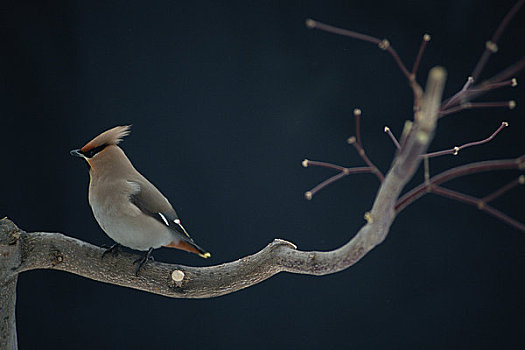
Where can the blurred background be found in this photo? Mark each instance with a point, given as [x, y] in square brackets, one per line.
[226, 100]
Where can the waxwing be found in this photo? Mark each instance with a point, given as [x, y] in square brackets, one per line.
[129, 208]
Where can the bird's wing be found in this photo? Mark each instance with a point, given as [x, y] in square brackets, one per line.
[151, 202]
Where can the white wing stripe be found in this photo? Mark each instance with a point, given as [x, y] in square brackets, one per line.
[164, 219]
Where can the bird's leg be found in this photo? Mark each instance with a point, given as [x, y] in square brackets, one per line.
[142, 261]
[113, 250]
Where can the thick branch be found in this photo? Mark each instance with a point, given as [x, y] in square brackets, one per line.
[41, 250]
[9, 259]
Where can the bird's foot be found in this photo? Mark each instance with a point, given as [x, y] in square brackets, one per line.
[113, 250]
[142, 261]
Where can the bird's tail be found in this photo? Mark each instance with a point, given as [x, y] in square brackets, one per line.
[189, 246]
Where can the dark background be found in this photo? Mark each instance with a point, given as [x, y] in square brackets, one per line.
[225, 101]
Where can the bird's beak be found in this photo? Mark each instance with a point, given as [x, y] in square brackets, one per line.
[76, 153]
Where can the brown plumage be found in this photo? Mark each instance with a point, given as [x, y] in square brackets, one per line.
[182, 245]
[109, 137]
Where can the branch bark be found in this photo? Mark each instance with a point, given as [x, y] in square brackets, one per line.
[10, 258]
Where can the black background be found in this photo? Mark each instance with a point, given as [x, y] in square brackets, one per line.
[226, 99]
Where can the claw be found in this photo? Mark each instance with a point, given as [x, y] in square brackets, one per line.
[142, 261]
[113, 250]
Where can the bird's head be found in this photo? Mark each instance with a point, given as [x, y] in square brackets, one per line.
[96, 149]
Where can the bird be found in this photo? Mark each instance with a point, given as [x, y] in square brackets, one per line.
[128, 207]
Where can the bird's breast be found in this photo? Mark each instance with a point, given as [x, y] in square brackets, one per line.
[125, 223]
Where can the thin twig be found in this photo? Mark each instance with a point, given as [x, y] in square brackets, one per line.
[458, 95]
[356, 141]
[426, 165]
[455, 150]
[508, 72]
[492, 45]
[468, 93]
[359, 146]
[520, 180]
[392, 137]
[461, 197]
[343, 172]
[306, 163]
[476, 105]
[494, 82]
[360, 150]
[382, 44]
[484, 87]
[506, 20]
[468, 169]
[424, 42]
[309, 194]
[357, 115]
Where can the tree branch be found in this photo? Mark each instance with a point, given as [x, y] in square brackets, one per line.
[9, 258]
[40, 250]
[491, 46]
[463, 170]
[479, 203]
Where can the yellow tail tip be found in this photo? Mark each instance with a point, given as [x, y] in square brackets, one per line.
[205, 255]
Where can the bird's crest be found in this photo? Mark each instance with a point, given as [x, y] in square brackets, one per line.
[109, 137]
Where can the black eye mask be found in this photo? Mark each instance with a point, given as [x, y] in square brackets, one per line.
[92, 152]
